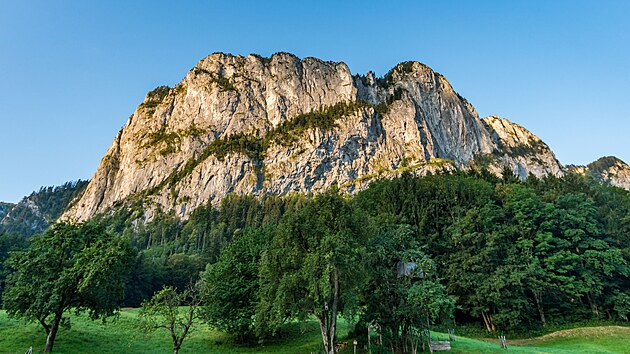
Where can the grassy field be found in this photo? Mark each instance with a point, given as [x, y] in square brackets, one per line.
[587, 340]
[121, 336]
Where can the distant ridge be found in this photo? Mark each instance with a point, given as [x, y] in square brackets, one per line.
[36, 212]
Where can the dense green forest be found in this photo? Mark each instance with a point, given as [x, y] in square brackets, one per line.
[464, 248]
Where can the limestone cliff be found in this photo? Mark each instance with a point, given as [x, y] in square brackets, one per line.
[283, 124]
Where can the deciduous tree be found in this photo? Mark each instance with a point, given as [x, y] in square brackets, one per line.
[78, 267]
[312, 267]
[171, 310]
[231, 284]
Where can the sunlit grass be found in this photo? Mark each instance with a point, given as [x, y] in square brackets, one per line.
[587, 340]
[122, 336]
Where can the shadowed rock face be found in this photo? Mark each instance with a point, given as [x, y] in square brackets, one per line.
[172, 154]
[5, 208]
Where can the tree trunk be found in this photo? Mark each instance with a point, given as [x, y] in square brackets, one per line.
[394, 338]
[405, 338]
[368, 338]
[46, 327]
[323, 326]
[541, 311]
[52, 333]
[594, 308]
[178, 341]
[328, 320]
[177, 344]
[414, 343]
[429, 335]
[487, 321]
[333, 319]
[609, 314]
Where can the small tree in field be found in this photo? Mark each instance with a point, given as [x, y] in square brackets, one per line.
[172, 310]
[78, 267]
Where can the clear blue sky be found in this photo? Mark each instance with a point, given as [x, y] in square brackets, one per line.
[71, 72]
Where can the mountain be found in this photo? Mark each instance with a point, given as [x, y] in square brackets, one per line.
[36, 212]
[5, 208]
[519, 150]
[283, 124]
[607, 169]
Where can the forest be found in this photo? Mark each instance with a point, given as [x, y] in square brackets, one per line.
[465, 249]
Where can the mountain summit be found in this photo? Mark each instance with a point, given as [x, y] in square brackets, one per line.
[284, 124]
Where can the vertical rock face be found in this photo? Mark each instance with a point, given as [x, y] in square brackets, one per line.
[283, 124]
[432, 118]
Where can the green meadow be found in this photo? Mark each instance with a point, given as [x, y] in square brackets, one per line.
[122, 336]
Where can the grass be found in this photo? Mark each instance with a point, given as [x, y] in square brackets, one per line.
[605, 339]
[587, 340]
[122, 336]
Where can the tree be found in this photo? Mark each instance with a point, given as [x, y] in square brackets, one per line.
[480, 271]
[621, 305]
[172, 310]
[428, 299]
[535, 244]
[8, 243]
[402, 291]
[78, 267]
[312, 267]
[591, 261]
[146, 278]
[231, 284]
[181, 269]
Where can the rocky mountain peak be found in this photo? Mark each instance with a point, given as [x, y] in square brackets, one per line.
[248, 124]
[508, 134]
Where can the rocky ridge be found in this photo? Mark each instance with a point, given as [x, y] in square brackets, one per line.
[518, 149]
[607, 169]
[282, 124]
[37, 211]
[5, 208]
